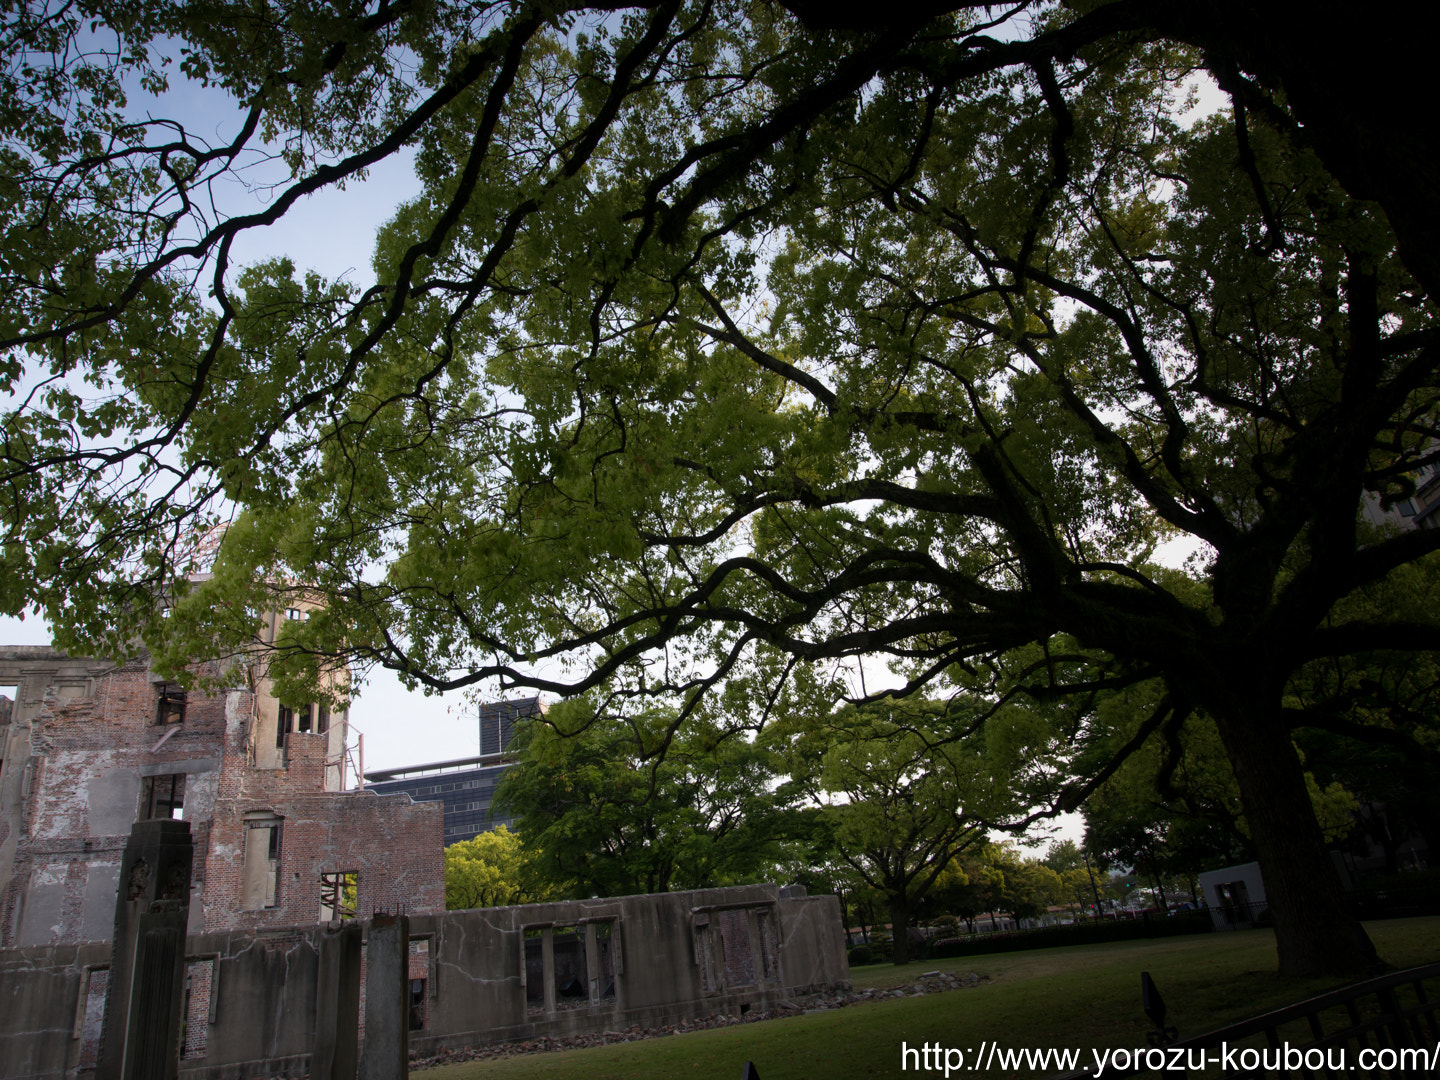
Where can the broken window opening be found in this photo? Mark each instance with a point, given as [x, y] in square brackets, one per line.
[162, 797]
[195, 1030]
[260, 879]
[93, 988]
[769, 945]
[534, 968]
[604, 963]
[571, 974]
[283, 718]
[339, 895]
[419, 973]
[170, 709]
[302, 718]
[322, 719]
[734, 947]
[700, 934]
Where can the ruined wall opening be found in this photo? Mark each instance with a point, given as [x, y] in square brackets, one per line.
[259, 875]
[339, 894]
[569, 967]
[532, 971]
[170, 704]
[419, 975]
[726, 940]
[604, 975]
[769, 944]
[195, 1033]
[162, 797]
[285, 717]
[9, 695]
[93, 986]
[570, 972]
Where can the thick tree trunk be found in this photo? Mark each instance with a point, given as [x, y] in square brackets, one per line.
[899, 928]
[1315, 930]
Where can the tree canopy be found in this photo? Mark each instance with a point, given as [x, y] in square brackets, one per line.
[724, 339]
[492, 869]
[902, 798]
[598, 820]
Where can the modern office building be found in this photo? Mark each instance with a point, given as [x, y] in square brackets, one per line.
[465, 785]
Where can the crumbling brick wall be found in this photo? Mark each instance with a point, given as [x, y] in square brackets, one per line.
[395, 846]
[89, 761]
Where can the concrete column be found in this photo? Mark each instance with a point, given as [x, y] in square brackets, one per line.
[337, 1005]
[387, 1000]
[145, 994]
[592, 963]
[547, 954]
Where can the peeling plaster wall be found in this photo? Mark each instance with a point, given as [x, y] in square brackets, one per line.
[45, 681]
[260, 988]
[91, 751]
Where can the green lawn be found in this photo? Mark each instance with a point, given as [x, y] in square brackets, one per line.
[1084, 996]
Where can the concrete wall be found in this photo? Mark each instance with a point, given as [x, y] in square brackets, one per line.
[648, 960]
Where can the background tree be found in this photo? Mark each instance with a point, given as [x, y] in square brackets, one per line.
[1021, 326]
[601, 820]
[491, 870]
[1063, 855]
[980, 892]
[946, 896]
[1027, 886]
[902, 796]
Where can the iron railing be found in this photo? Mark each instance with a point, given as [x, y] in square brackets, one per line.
[1387, 1026]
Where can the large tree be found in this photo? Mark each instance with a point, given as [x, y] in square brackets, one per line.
[718, 342]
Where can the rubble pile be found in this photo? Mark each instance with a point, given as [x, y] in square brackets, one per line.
[932, 982]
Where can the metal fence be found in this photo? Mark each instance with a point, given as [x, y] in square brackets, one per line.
[1387, 1026]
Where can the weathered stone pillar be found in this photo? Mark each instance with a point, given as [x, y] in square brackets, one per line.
[145, 994]
[547, 954]
[337, 1005]
[387, 1000]
[592, 963]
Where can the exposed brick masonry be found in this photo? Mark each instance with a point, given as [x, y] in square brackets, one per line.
[90, 757]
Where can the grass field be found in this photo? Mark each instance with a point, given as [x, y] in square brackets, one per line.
[1084, 996]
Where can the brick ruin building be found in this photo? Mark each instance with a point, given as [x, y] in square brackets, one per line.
[88, 747]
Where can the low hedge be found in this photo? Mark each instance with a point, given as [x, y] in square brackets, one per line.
[1090, 932]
